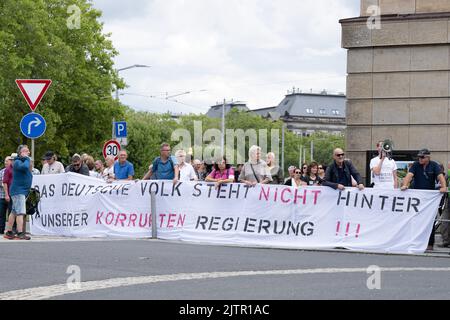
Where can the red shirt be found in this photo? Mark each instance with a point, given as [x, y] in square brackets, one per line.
[8, 177]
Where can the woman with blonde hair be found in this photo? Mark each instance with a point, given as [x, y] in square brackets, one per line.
[275, 170]
[255, 171]
[108, 173]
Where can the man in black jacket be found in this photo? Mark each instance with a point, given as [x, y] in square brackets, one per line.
[339, 174]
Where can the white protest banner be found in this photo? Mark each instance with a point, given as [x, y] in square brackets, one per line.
[272, 216]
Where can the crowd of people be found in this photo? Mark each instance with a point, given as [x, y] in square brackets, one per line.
[16, 177]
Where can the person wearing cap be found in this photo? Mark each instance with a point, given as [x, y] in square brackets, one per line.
[78, 166]
[52, 166]
[424, 173]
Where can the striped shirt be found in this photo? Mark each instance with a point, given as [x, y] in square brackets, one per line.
[2, 191]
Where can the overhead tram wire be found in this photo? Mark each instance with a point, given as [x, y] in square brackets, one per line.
[165, 99]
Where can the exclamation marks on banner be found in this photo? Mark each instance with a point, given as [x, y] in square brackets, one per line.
[348, 230]
[358, 230]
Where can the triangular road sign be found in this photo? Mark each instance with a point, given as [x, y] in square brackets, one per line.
[33, 90]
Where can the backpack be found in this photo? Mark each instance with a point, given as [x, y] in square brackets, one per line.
[32, 202]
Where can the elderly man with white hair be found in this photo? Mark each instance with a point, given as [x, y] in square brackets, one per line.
[187, 172]
[255, 171]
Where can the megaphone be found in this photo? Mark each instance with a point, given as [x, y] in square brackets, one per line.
[387, 148]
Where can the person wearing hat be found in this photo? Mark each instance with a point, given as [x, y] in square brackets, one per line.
[424, 173]
[52, 166]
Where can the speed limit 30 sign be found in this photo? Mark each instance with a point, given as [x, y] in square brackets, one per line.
[111, 148]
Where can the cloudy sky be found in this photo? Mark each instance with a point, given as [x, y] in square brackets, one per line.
[245, 50]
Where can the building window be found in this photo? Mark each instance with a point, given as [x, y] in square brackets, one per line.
[336, 112]
[310, 111]
[323, 111]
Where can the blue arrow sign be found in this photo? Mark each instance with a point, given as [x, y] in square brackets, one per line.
[33, 125]
[120, 129]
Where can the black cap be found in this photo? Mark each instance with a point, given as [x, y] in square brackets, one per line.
[48, 155]
[424, 153]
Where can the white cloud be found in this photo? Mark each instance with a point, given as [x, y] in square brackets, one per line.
[248, 50]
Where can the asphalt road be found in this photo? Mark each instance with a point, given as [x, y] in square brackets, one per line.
[147, 269]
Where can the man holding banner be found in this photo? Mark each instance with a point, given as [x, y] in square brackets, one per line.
[340, 173]
[425, 174]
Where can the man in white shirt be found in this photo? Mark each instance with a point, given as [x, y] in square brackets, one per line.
[52, 166]
[383, 170]
[187, 172]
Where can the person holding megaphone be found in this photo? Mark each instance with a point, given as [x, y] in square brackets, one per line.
[383, 168]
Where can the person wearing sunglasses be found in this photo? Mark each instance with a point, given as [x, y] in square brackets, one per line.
[340, 172]
[424, 173]
[297, 180]
[78, 166]
[321, 172]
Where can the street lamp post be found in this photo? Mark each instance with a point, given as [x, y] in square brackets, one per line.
[130, 67]
[117, 88]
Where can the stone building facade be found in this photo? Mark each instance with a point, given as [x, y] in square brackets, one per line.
[398, 83]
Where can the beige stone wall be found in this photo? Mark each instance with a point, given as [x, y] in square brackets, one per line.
[398, 83]
[406, 6]
[399, 32]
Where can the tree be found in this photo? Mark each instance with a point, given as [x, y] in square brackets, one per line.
[36, 43]
[146, 133]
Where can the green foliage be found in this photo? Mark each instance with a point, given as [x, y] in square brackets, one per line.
[147, 131]
[35, 43]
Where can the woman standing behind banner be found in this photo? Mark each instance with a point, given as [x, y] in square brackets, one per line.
[296, 181]
[275, 171]
[108, 173]
[222, 173]
[255, 171]
[312, 178]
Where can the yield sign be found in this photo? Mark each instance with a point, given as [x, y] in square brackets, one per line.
[33, 90]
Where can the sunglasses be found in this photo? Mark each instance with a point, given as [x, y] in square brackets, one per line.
[422, 157]
[340, 155]
[298, 172]
[320, 168]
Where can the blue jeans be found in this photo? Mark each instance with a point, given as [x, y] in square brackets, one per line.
[3, 208]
